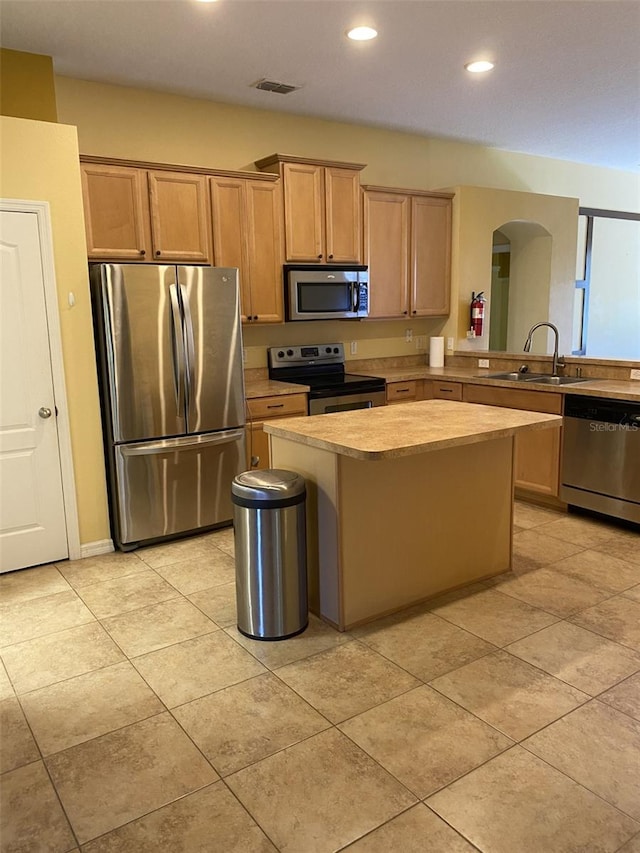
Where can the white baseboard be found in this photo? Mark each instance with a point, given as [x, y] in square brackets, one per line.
[94, 549]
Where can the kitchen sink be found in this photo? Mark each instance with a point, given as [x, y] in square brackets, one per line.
[515, 376]
[543, 378]
[557, 380]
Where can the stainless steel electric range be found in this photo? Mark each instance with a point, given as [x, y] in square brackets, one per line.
[322, 367]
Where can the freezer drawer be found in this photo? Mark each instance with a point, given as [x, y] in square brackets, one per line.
[173, 486]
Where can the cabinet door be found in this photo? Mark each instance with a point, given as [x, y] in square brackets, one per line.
[116, 212]
[229, 233]
[407, 391]
[537, 457]
[257, 446]
[386, 252]
[537, 461]
[431, 256]
[265, 250]
[342, 198]
[179, 217]
[304, 212]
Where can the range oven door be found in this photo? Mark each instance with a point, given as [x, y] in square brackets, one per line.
[346, 402]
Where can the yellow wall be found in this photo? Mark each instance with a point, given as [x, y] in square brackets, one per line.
[28, 87]
[39, 161]
[478, 212]
[117, 121]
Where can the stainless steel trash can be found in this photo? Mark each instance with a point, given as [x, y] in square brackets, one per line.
[271, 553]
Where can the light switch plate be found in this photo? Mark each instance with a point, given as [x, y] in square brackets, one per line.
[450, 344]
[353, 347]
[635, 373]
[483, 362]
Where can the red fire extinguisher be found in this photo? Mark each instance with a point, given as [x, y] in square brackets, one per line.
[477, 313]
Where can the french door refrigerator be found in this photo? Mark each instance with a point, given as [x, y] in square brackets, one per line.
[169, 344]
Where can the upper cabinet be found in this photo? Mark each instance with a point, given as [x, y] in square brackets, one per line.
[116, 212]
[321, 209]
[407, 247]
[180, 227]
[138, 214]
[247, 233]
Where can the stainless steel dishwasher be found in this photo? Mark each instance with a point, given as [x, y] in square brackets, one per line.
[601, 456]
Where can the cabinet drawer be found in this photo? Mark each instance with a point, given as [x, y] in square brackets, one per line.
[402, 392]
[516, 398]
[262, 408]
[447, 390]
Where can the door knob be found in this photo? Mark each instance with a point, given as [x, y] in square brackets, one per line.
[44, 412]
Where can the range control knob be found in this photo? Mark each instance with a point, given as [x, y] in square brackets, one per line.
[336, 350]
[289, 352]
[280, 354]
[328, 350]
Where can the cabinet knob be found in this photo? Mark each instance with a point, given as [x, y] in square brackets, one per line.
[330, 257]
[405, 312]
[255, 316]
[319, 256]
[414, 311]
[158, 253]
[142, 252]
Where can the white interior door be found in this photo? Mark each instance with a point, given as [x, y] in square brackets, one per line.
[32, 512]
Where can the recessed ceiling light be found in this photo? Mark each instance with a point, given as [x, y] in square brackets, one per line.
[362, 33]
[480, 66]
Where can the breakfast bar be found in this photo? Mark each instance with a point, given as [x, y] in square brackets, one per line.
[404, 502]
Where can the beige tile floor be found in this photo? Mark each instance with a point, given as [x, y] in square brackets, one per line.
[503, 718]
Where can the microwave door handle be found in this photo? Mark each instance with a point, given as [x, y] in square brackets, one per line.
[355, 296]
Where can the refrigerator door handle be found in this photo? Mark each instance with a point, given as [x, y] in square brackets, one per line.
[146, 448]
[188, 334]
[179, 366]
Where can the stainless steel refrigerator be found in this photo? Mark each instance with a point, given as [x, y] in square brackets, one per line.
[169, 343]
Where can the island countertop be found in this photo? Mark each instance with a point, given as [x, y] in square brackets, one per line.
[387, 432]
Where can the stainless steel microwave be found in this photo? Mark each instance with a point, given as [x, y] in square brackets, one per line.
[316, 292]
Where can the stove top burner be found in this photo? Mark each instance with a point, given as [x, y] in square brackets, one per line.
[322, 367]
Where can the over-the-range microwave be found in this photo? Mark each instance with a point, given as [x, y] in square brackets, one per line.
[315, 292]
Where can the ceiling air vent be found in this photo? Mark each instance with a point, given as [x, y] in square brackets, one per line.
[273, 86]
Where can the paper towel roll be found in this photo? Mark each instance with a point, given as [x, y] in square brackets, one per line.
[436, 352]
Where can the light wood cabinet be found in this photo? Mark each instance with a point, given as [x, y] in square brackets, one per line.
[247, 233]
[180, 226]
[261, 409]
[406, 391]
[138, 214]
[407, 247]
[441, 390]
[116, 212]
[321, 209]
[537, 453]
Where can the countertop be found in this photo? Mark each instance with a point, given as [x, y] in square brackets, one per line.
[389, 432]
[271, 388]
[615, 389]
[618, 389]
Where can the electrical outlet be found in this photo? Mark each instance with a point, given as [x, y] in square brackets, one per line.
[635, 374]
[449, 344]
[244, 355]
[408, 335]
[483, 362]
[353, 347]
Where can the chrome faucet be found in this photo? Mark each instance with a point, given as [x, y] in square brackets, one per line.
[557, 360]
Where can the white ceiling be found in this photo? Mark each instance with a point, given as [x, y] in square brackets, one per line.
[566, 82]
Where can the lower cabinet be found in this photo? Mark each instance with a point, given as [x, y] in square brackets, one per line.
[537, 462]
[261, 409]
[406, 391]
[441, 390]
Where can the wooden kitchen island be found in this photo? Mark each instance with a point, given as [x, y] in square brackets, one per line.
[403, 502]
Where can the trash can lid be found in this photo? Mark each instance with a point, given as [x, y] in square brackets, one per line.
[269, 484]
